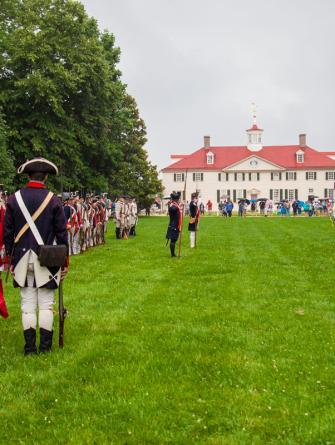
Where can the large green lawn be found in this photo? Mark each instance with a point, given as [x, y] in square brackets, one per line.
[232, 344]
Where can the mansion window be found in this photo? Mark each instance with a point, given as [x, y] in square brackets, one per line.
[254, 176]
[239, 176]
[238, 194]
[197, 177]
[276, 176]
[291, 194]
[300, 156]
[276, 195]
[310, 190]
[223, 177]
[179, 177]
[330, 176]
[222, 194]
[291, 176]
[311, 176]
[210, 158]
[225, 193]
[329, 193]
[279, 194]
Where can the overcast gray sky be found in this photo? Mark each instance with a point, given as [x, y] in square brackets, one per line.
[194, 68]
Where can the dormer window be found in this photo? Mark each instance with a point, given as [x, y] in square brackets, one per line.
[210, 158]
[300, 156]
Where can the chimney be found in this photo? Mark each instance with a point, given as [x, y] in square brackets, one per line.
[207, 141]
[302, 140]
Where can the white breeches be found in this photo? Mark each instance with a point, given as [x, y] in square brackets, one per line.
[192, 239]
[91, 236]
[31, 297]
[76, 243]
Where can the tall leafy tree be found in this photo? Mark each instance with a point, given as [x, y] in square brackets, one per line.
[7, 170]
[64, 99]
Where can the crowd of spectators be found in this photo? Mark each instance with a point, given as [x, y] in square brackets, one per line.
[267, 207]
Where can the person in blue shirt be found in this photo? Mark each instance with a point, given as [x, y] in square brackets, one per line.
[229, 207]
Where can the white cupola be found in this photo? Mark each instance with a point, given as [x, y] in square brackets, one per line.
[255, 134]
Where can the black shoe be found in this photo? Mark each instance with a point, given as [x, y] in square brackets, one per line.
[30, 338]
[172, 249]
[45, 340]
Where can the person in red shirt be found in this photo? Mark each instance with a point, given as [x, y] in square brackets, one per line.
[209, 206]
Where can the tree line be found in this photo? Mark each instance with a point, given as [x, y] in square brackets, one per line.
[62, 97]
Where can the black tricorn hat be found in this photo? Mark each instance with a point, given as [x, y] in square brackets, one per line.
[38, 165]
[175, 195]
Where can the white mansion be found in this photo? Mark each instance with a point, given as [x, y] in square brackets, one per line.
[253, 171]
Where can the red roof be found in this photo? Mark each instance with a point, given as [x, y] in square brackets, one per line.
[281, 155]
[255, 127]
[179, 156]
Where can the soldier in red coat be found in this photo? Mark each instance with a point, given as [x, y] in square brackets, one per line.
[3, 259]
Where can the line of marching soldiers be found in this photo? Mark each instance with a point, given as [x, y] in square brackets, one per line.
[87, 221]
[125, 217]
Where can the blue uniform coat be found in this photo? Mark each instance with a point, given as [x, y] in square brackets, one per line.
[194, 216]
[174, 223]
[51, 224]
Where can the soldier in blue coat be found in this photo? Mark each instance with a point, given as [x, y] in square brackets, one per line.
[37, 284]
[194, 219]
[176, 219]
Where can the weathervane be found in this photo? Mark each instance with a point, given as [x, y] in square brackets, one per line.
[254, 112]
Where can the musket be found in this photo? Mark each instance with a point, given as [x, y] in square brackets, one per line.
[10, 263]
[182, 218]
[103, 233]
[62, 315]
[196, 228]
[180, 235]
[82, 238]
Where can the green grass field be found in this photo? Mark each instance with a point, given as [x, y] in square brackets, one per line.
[231, 344]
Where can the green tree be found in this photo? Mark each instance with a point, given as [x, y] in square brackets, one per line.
[7, 170]
[136, 176]
[54, 63]
[63, 98]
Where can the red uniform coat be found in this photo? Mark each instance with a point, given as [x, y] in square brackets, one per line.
[3, 307]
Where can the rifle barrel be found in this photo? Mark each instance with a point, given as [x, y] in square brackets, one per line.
[61, 316]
